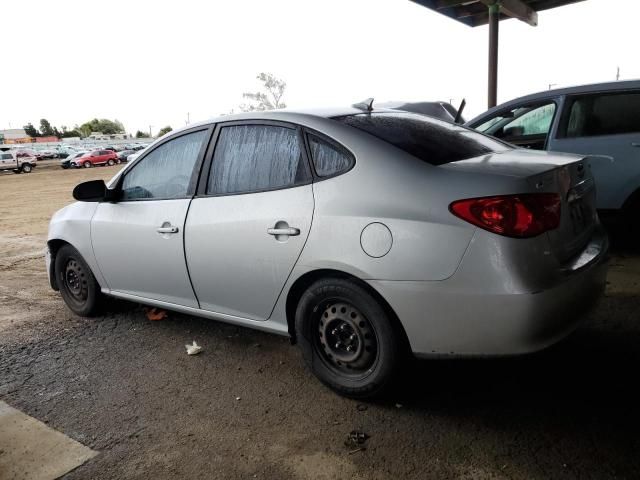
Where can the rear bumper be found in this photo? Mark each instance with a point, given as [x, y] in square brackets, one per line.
[474, 318]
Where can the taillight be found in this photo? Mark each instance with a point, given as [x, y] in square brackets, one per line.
[521, 216]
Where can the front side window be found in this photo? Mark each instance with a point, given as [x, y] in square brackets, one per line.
[327, 159]
[611, 114]
[528, 122]
[166, 171]
[250, 158]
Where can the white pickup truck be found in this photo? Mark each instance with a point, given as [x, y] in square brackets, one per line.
[16, 161]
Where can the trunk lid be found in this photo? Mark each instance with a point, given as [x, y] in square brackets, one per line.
[542, 172]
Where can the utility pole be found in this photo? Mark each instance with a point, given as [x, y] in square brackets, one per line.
[494, 23]
[188, 119]
[618, 74]
[551, 85]
[150, 130]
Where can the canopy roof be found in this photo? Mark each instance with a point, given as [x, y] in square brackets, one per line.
[474, 12]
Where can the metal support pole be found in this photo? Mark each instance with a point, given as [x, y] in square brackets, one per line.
[494, 22]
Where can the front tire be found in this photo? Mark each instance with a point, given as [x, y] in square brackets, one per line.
[87, 164]
[77, 285]
[347, 338]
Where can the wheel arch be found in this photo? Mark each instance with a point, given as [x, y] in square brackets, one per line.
[632, 201]
[54, 245]
[307, 279]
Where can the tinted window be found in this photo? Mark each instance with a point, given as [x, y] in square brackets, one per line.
[328, 159]
[7, 156]
[431, 140]
[249, 158]
[166, 171]
[604, 115]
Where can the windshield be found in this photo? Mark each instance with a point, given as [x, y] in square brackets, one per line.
[433, 141]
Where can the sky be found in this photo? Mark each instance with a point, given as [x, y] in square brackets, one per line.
[157, 63]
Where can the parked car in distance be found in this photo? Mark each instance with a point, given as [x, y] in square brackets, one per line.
[134, 155]
[64, 151]
[70, 160]
[29, 152]
[362, 235]
[96, 157]
[600, 120]
[124, 154]
[18, 162]
[47, 154]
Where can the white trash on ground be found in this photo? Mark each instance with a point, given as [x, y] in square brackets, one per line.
[193, 349]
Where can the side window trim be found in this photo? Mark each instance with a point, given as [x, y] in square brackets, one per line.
[333, 143]
[201, 189]
[197, 168]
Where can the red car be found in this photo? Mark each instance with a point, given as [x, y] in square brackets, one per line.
[96, 157]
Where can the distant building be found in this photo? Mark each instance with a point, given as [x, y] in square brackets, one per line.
[108, 136]
[12, 134]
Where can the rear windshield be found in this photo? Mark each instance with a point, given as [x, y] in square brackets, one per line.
[431, 140]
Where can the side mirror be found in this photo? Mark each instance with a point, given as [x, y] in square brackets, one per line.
[513, 132]
[93, 191]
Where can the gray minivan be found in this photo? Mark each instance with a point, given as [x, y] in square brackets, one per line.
[602, 120]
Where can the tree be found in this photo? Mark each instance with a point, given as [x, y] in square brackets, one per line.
[45, 128]
[30, 130]
[271, 96]
[164, 130]
[108, 127]
[140, 134]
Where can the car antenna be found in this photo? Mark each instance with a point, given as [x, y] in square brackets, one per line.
[460, 109]
[366, 105]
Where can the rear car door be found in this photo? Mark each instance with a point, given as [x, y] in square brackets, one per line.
[250, 220]
[606, 125]
[138, 241]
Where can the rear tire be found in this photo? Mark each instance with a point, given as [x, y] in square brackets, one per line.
[26, 167]
[111, 162]
[79, 288]
[347, 338]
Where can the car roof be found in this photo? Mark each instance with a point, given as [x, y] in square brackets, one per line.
[558, 92]
[298, 116]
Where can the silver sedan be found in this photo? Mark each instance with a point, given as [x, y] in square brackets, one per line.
[362, 234]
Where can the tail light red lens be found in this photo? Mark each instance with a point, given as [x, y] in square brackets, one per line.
[521, 216]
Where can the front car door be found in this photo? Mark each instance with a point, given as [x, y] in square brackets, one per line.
[526, 126]
[247, 226]
[606, 125]
[139, 240]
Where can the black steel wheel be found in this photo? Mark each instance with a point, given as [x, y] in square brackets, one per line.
[347, 338]
[77, 285]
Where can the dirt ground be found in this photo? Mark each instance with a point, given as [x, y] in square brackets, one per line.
[247, 408]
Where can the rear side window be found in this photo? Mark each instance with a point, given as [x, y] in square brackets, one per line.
[6, 156]
[431, 140]
[328, 159]
[611, 114]
[251, 158]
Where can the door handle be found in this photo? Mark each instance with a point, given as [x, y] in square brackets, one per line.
[284, 231]
[167, 230]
